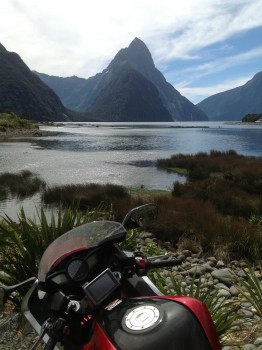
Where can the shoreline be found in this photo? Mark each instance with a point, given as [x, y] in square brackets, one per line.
[10, 134]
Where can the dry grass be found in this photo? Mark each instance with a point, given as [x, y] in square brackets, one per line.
[244, 336]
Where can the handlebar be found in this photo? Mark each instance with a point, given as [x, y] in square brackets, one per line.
[164, 263]
[143, 264]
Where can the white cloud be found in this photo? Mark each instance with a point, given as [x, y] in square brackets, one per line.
[80, 37]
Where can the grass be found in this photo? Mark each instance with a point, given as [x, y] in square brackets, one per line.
[13, 121]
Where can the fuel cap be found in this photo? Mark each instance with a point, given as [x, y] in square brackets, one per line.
[141, 317]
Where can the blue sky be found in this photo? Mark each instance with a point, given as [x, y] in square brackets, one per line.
[201, 46]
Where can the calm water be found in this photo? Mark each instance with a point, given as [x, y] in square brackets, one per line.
[123, 154]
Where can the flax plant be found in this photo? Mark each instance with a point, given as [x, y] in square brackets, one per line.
[23, 243]
[223, 311]
[250, 287]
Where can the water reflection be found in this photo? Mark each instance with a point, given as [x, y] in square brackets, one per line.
[124, 155]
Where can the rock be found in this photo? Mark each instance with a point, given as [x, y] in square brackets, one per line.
[222, 293]
[222, 286]
[197, 270]
[249, 347]
[241, 274]
[234, 291]
[186, 253]
[246, 313]
[220, 263]
[258, 342]
[224, 275]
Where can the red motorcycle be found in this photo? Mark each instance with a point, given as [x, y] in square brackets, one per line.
[90, 294]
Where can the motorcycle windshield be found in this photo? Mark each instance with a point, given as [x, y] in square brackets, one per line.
[82, 237]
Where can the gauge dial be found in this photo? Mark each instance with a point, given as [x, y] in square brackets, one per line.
[77, 270]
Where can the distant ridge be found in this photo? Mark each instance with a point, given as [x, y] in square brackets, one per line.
[23, 93]
[234, 104]
[129, 89]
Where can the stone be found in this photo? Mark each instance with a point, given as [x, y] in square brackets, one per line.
[186, 253]
[220, 263]
[224, 275]
[222, 293]
[249, 347]
[197, 270]
[221, 286]
[234, 291]
[258, 342]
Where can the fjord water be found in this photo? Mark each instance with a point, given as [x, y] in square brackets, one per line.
[122, 154]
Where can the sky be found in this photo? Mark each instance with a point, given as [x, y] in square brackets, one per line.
[202, 47]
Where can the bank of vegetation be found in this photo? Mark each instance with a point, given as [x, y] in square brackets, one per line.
[217, 211]
[252, 118]
[13, 121]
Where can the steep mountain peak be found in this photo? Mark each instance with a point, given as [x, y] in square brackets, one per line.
[2, 48]
[137, 44]
[131, 70]
[136, 54]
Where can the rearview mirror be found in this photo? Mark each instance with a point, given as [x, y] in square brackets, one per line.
[140, 216]
[2, 299]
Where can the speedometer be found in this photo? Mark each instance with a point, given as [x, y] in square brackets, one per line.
[77, 270]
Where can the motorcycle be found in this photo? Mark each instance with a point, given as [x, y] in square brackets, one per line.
[90, 294]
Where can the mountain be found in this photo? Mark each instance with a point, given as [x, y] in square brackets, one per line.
[234, 104]
[130, 97]
[23, 93]
[99, 93]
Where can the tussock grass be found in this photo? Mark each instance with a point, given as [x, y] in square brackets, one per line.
[219, 207]
[197, 223]
[87, 195]
[241, 171]
[22, 184]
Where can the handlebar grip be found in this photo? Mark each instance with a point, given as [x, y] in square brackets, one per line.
[50, 345]
[164, 263]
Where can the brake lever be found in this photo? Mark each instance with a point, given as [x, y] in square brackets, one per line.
[158, 257]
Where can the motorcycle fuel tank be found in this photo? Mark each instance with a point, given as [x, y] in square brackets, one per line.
[152, 323]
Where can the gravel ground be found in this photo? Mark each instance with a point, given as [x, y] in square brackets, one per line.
[17, 334]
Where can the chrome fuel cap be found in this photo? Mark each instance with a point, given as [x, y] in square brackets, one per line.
[142, 317]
